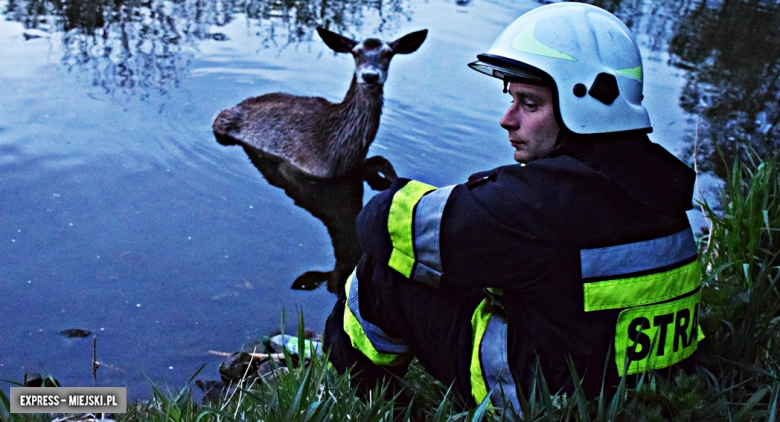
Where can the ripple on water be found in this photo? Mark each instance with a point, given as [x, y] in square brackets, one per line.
[116, 193]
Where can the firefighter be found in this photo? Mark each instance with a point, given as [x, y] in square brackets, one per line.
[581, 253]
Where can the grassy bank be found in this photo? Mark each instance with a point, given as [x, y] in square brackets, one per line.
[737, 376]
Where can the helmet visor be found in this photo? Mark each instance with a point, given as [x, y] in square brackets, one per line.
[510, 71]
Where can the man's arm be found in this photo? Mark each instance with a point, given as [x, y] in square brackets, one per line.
[456, 237]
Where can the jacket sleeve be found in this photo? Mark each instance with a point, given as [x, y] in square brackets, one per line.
[484, 233]
[385, 225]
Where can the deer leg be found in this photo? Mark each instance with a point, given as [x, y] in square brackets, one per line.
[310, 280]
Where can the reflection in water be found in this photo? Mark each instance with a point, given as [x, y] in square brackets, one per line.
[334, 201]
[730, 48]
[145, 45]
[733, 49]
[731, 52]
[121, 45]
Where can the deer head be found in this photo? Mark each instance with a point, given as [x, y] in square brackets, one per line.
[372, 56]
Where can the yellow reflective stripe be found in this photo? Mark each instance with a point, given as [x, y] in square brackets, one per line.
[527, 43]
[494, 291]
[479, 323]
[641, 290]
[399, 225]
[401, 263]
[633, 72]
[361, 342]
[657, 336]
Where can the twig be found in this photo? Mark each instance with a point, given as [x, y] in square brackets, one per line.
[95, 363]
[251, 354]
[243, 380]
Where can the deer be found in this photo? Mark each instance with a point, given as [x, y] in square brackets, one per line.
[320, 138]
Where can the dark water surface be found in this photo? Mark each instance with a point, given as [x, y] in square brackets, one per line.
[120, 213]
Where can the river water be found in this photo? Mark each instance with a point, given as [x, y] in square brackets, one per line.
[121, 214]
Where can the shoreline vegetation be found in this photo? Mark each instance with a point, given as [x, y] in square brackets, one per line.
[737, 375]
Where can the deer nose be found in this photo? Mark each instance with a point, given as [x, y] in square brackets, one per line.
[370, 77]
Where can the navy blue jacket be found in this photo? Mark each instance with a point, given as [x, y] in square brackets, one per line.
[522, 229]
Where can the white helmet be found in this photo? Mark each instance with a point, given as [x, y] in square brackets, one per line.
[587, 54]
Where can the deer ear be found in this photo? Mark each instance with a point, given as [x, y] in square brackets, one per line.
[409, 43]
[336, 42]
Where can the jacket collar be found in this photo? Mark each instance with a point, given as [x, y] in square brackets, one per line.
[646, 171]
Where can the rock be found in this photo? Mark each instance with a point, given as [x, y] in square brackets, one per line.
[75, 333]
[238, 366]
[270, 370]
[212, 390]
[34, 379]
[254, 346]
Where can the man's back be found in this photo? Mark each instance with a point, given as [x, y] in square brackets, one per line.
[519, 231]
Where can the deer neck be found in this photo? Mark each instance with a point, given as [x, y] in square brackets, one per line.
[354, 123]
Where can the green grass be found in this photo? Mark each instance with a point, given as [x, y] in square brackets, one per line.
[737, 376]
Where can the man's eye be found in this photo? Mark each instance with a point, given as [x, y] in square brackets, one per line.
[531, 106]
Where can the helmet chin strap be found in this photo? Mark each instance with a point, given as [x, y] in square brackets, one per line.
[563, 136]
[506, 84]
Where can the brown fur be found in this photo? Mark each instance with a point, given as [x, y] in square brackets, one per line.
[321, 138]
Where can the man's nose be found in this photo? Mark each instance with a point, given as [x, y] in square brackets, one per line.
[510, 121]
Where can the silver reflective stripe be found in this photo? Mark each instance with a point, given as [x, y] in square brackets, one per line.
[495, 367]
[381, 341]
[639, 256]
[427, 232]
[425, 275]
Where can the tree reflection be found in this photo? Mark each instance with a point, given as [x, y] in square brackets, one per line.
[146, 45]
[733, 51]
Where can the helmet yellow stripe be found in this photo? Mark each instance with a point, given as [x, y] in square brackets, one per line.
[527, 43]
[633, 73]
